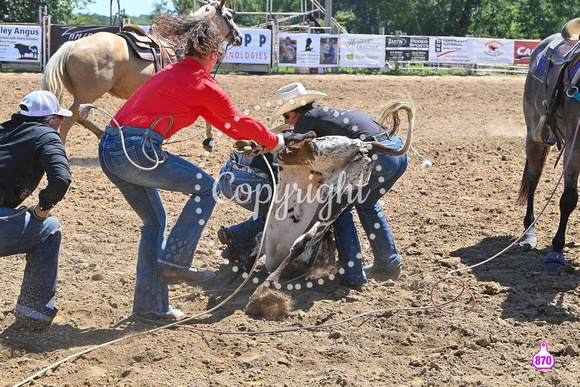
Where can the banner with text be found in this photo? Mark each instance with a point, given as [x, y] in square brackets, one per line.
[20, 43]
[523, 51]
[450, 50]
[60, 33]
[407, 48]
[492, 51]
[362, 51]
[307, 50]
[256, 48]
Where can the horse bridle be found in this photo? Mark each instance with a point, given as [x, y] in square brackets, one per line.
[228, 19]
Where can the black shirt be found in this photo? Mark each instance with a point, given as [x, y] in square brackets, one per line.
[325, 121]
[28, 150]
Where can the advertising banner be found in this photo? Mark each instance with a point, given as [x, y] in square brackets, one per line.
[492, 51]
[256, 48]
[59, 33]
[308, 50]
[523, 51]
[19, 43]
[450, 50]
[407, 48]
[362, 51]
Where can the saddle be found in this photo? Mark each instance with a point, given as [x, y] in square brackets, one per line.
[558, 70]
[148, 48]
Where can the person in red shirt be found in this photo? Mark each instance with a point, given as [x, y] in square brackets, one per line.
[131, 155]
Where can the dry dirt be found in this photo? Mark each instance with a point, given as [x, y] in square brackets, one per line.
[458, 213]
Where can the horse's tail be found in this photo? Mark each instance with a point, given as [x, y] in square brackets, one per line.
[391, 110]
[524, 185]
[55, 78]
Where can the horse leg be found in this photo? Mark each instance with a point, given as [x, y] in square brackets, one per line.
[68, 122]
[209, 142]
[535, 160]
[92, 127]
[555, 258]
[76, 118]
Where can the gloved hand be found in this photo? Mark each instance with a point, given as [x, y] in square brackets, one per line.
[248, 148]
[32, 211]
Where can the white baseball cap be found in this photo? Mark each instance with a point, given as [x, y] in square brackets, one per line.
[42, 103]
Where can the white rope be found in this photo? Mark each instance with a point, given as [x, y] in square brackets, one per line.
[156, 161]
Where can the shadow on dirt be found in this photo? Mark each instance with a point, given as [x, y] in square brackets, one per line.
[65, 336]
[530, 293]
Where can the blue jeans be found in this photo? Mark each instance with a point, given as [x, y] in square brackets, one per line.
[251, 189]
[140, 189]
[386, 171]
[40, 241]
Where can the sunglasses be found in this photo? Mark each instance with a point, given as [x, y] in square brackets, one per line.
[286, 116]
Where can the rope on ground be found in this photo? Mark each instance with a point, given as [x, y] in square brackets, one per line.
[439, 307]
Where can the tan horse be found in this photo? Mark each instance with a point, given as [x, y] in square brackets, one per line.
[103, 63]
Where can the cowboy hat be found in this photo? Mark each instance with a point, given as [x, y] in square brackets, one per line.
[282, 128]
[293, 96]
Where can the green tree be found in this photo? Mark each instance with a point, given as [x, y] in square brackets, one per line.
[26, 11]
[522, 19]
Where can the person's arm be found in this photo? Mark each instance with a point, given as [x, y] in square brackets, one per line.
[222, 114]
[56, 166]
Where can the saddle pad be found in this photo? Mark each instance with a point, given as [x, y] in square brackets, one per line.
[538, 66]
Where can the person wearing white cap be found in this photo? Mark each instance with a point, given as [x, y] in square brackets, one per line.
[298, 108]
[31, 147]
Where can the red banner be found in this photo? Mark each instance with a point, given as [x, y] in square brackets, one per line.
[523, 50]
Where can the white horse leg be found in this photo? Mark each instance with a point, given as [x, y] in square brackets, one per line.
[529, 240]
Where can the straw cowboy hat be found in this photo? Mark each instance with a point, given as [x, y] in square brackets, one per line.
[282, 128]
[292, 97]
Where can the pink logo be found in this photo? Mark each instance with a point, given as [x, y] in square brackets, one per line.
[543, 359]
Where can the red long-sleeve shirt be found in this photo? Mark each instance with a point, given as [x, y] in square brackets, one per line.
[186, 91]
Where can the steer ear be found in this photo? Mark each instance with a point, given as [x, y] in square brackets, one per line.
[295, 139]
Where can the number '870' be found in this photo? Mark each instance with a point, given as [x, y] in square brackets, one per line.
[543, 360]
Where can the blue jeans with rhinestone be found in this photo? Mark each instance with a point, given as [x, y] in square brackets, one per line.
[386, 171]
[140, 189]
[21, 233]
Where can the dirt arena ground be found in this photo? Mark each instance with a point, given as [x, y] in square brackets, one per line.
[460, 212]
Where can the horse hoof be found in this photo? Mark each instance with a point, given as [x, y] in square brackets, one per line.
[208, 144]
[529, 240]
[554, 261]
